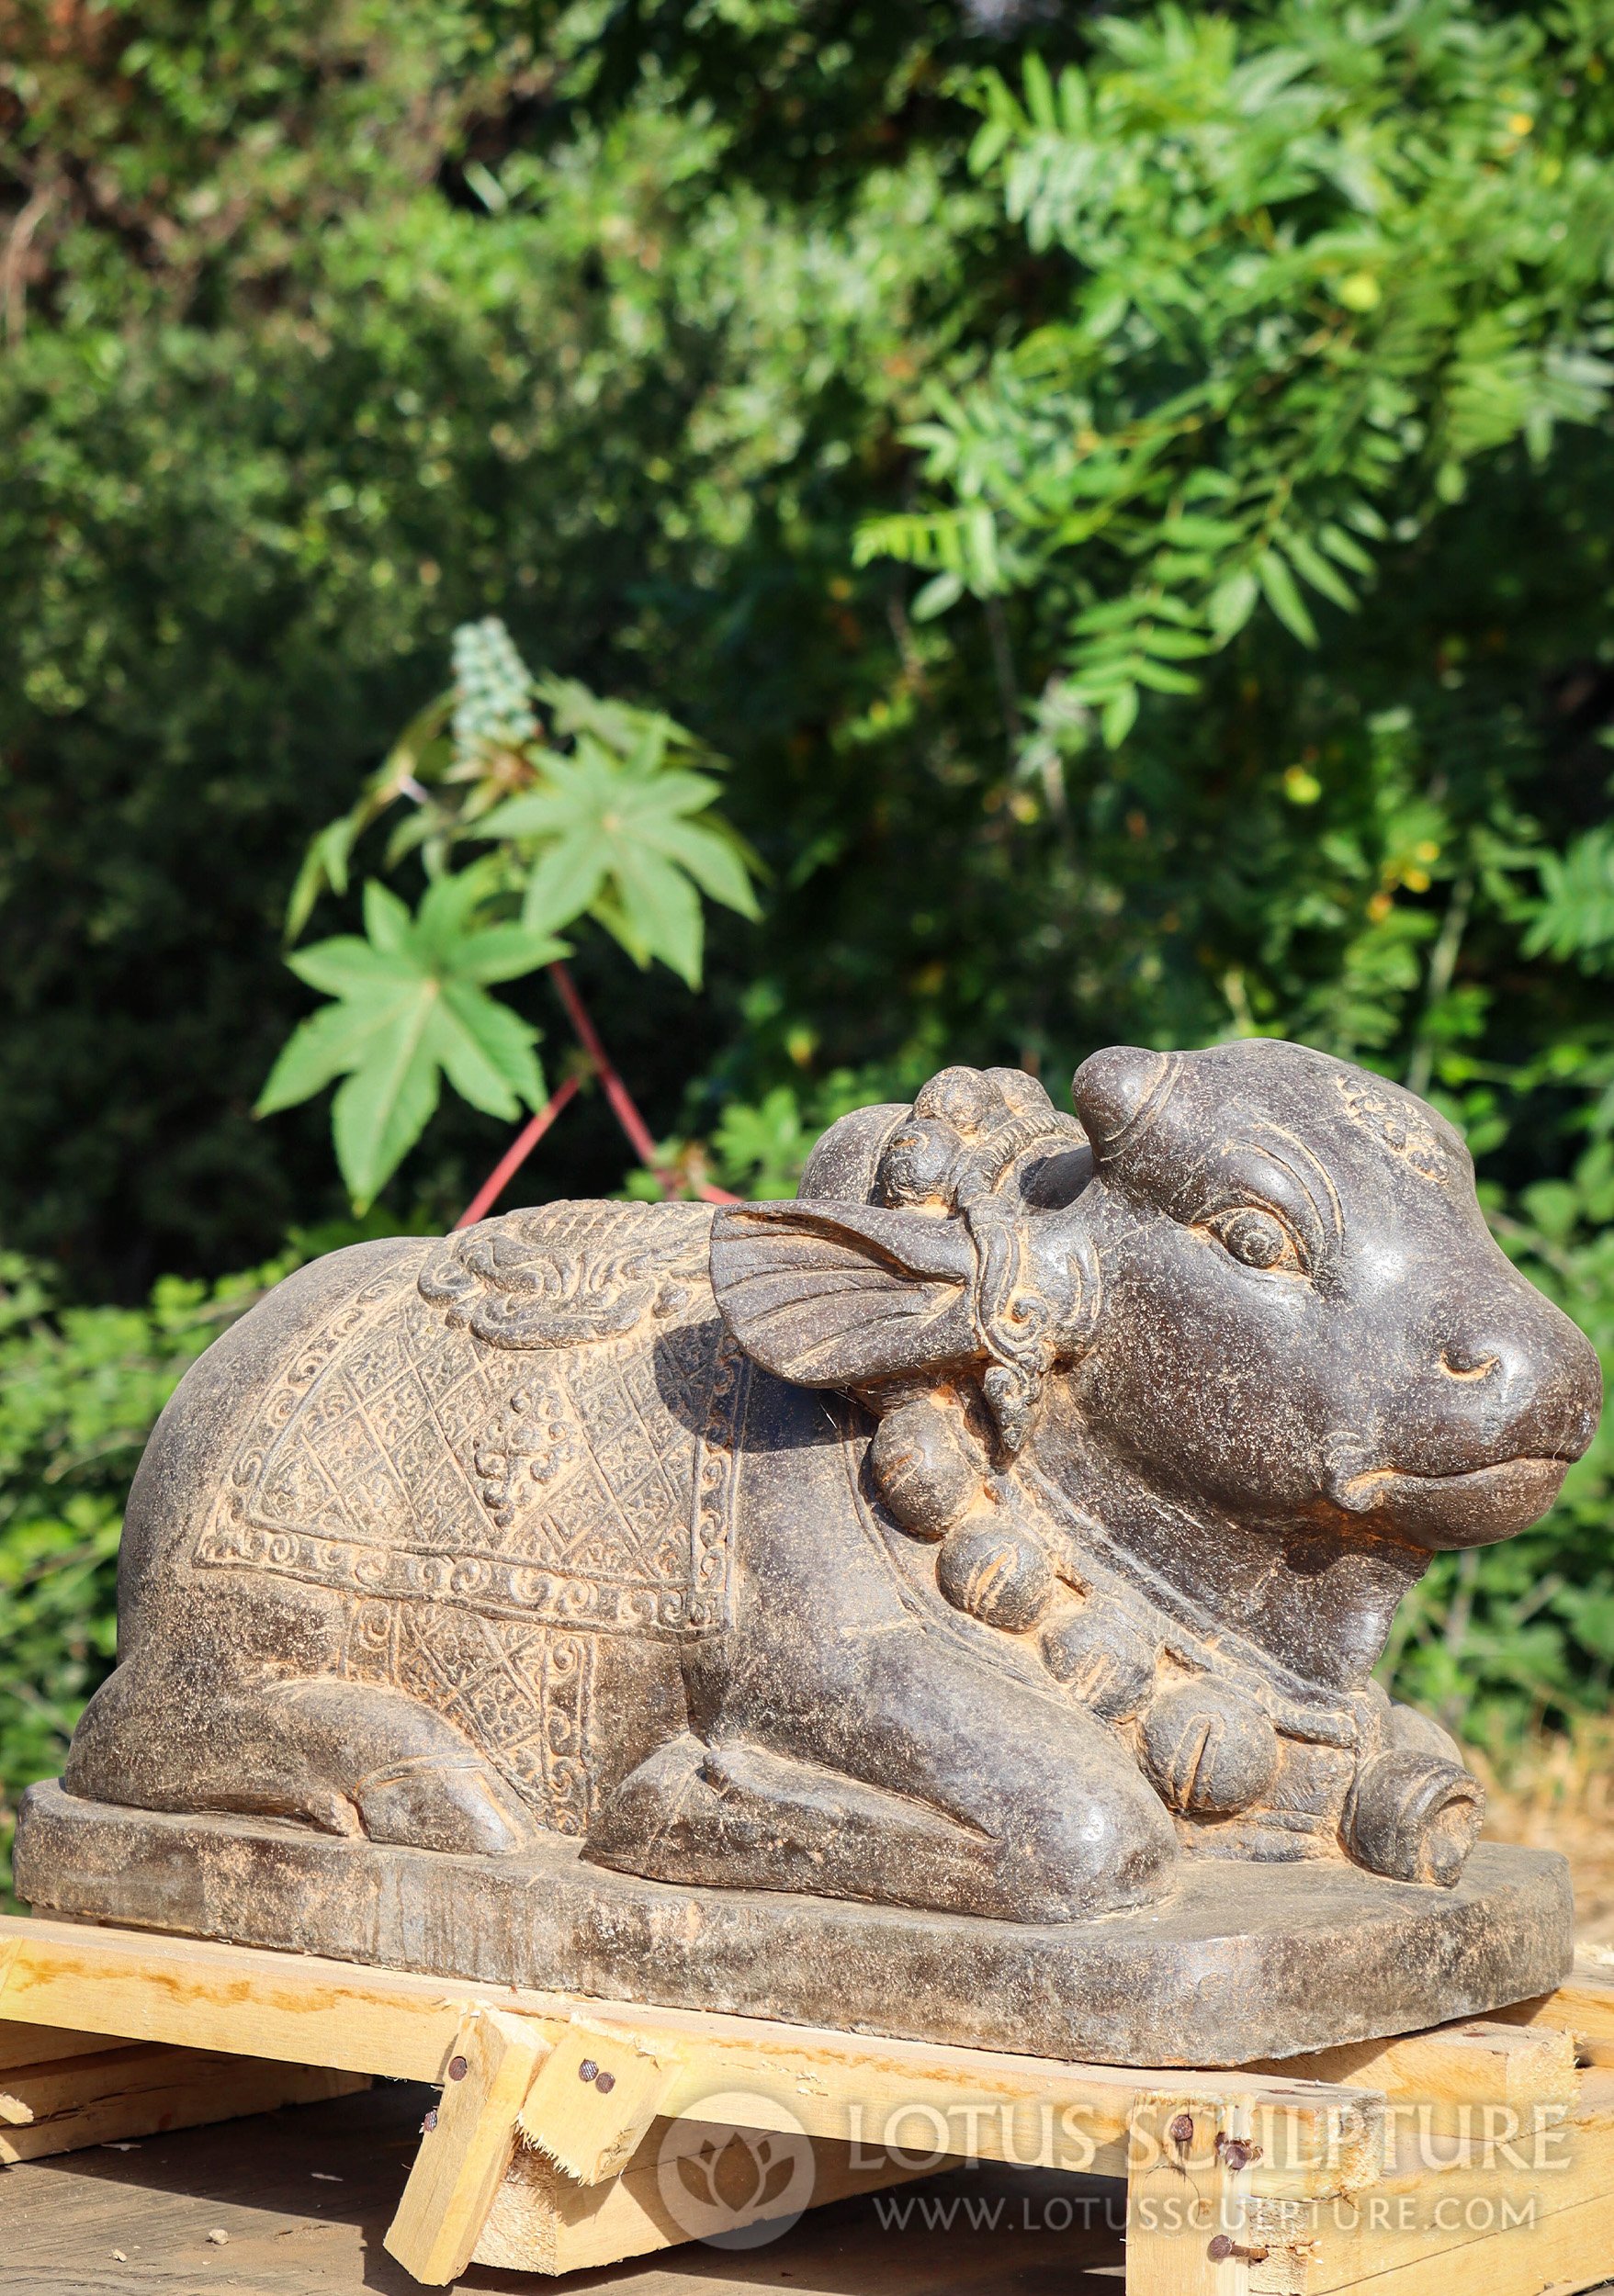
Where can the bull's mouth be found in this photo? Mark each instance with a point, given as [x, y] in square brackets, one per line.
[1471, 1509]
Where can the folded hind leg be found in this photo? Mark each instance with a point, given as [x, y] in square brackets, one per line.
[408, 1775]
[349, 1758]
[894, 1767]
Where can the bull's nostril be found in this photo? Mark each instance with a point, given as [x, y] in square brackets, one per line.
[1467, 1363]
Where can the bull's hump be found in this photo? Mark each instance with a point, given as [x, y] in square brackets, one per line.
[565, 1274]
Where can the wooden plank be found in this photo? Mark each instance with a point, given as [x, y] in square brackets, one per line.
[544, 2221]
[596, 2093]
[990, 2105]
[1187, 2187]
[1479, 2062]
[1482, 2218]
[36, 2092]
[47, 2045]
[132, 2093]
[303, 2196]
[1572, 2249]
[465, 2148]
[1583, 2006]
[146, 1986]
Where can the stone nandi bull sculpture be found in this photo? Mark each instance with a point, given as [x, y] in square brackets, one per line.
[1006, 1527]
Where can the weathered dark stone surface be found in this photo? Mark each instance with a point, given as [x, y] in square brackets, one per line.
[1240, 1962]
[1004, 1531]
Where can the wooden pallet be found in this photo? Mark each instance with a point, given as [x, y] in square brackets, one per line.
[573, 2133]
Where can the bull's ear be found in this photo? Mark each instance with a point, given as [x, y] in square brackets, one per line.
[843, 1295]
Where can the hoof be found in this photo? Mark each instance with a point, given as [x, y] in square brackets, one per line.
[428, 1804]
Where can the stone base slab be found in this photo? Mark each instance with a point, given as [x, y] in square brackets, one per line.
[1243, 1962]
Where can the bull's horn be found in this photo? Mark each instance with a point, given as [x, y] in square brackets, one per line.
[1118, 1093]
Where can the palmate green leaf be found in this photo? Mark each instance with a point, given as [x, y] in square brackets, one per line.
[668, 792]
[503, 952]
[344, 965]
[486, 1052]
[619, 727]
[448, 911]
[387, 919]
[411, 1006]
[631, 842]
[661, 910]
[715, 858]
[542, 812]
[567, 879]
[319, 1049]
[387, 1102]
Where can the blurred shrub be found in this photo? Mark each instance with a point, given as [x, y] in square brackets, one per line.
[80, 1390]
[329, 329]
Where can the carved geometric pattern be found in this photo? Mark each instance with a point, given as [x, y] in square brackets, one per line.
[522, 1695]
[413, 1459]
[487, 1509]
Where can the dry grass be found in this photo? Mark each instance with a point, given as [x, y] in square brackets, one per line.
[1557, 1792]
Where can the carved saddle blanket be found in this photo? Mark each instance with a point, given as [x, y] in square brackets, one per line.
[496, 1458]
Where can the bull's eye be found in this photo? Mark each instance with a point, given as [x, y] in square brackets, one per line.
[1256, 1238]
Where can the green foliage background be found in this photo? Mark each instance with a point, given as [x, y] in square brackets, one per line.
[1137, 522]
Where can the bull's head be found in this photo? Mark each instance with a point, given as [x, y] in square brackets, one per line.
[1251, 1291]
[1308, 1322]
